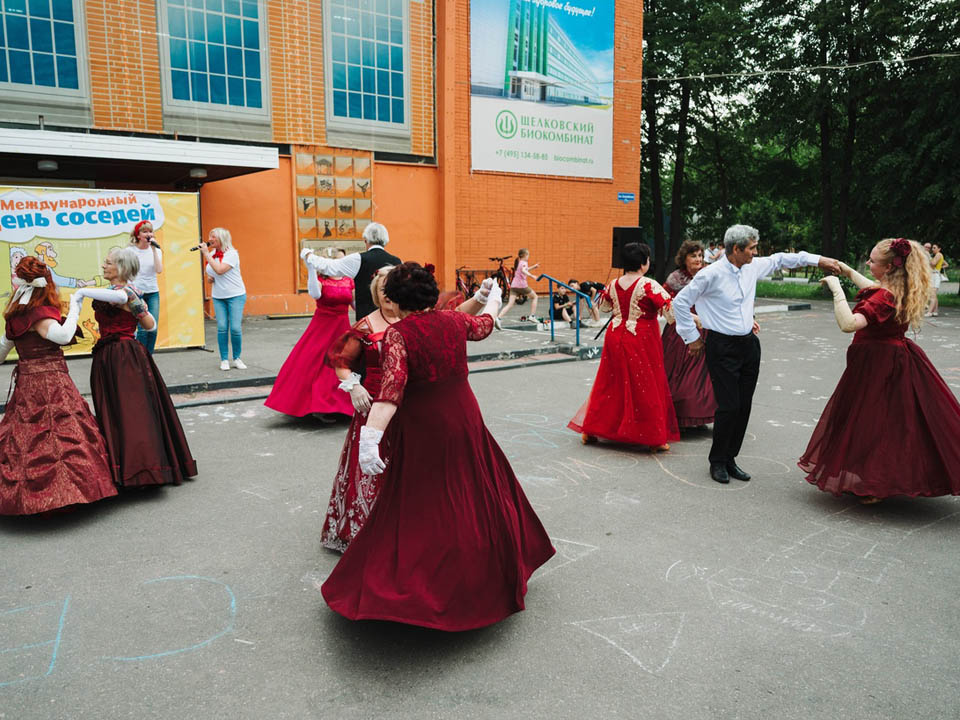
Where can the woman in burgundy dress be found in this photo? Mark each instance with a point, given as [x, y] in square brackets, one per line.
[51, 452]
[687, 376]
[356, 358]
[630, 402]
[891, 426]
[452, 539]
[144, 437]
[305, 385]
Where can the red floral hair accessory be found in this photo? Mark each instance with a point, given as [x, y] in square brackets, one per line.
[429, 267]
[900, 248]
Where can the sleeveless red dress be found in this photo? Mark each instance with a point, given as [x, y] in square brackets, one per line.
[452, 539]
[354, 493]
[305, 384]
[51, 451]
[892, 425]
[144, 437]
[687, 376]
[630, 402]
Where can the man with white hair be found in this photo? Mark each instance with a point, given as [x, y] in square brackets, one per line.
[724, 293]
[359, 266]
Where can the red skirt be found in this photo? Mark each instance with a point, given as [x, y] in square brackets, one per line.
[630, 402]
[688, 380]
[51, 451]
[305, 384]
[145, 440]
[890, 428]
[452, 539]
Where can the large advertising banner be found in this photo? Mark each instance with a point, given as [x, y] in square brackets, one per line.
[71, 231]
[541, 87]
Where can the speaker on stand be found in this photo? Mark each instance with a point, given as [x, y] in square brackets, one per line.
[621, 237]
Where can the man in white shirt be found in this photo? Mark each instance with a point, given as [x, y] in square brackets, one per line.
[359, 266]
[724, 294]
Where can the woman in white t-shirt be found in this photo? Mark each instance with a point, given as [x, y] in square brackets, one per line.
[150, 255]
[229, 293]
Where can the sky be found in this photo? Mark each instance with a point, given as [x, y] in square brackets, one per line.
[593, 36]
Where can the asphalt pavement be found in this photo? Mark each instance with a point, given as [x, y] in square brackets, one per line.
[670, 596]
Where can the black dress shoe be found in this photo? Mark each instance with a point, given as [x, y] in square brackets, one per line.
[719, 473]
[736, 472]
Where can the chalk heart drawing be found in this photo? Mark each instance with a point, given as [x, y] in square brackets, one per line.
[568, 551]
[648, 639]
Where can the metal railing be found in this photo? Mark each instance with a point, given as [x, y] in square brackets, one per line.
[551, 280]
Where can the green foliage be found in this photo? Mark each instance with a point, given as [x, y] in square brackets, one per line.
[820, 160]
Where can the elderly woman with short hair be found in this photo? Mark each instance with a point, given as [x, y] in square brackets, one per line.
[145, 440]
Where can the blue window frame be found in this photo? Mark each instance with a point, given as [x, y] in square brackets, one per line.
[368, 60]
[215, 52]
[38, 44]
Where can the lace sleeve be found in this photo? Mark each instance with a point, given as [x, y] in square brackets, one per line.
[393, 361]
[478, 326]
[658, 296]
[347, 352]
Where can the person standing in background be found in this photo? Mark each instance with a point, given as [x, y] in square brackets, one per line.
[150, 256]
[360, 267]
[937, 265]
[229, 294]
[520, 287]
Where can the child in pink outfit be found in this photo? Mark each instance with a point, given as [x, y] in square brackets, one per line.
[519, 285]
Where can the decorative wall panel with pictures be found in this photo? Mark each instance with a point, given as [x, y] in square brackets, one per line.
[334, 198]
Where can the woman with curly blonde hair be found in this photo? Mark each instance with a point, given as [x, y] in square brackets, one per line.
[856, 447]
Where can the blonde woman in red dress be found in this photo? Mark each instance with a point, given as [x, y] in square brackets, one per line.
[892, 425]
[356, 359]
[305, 385]
[51, 452]
[630, 402]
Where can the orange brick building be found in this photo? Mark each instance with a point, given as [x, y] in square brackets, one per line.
[243, 101]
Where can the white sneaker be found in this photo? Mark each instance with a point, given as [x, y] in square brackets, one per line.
[238, 364]
[224, 365]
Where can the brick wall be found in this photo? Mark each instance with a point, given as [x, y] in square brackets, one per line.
[124, 65]
[565, 223]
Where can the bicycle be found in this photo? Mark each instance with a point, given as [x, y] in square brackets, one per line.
[502, 275]
[466, 284]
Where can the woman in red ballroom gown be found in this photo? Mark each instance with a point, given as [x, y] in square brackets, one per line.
[51, 452]
[630, 402]
[687, 376]
[452, 539]
[356, 357]
[144, 437]
[892, 425]
[305, 384]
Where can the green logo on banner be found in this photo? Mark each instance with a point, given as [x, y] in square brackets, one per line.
[506, 124]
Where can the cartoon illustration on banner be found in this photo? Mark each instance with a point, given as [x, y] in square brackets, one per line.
[71, 232]
[541, 87]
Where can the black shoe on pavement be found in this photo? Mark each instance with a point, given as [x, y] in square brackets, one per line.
[736, 472]
[719, 473]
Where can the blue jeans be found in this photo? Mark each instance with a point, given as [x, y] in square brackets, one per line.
[148, 338]
[229, 316]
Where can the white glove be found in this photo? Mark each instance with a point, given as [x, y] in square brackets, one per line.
[360, 397]
[63, 334]
[6, 345]
[347, 385]
[305, 252]
[482, 293]
[494, 301]
[369, 452]
[841, 309]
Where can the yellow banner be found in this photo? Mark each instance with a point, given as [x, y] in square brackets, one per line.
[72, 231]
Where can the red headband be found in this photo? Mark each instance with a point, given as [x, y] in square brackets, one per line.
[136, 228]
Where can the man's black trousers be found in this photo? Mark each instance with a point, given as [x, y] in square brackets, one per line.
[734, 365]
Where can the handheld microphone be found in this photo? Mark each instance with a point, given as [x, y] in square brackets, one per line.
[194, 248]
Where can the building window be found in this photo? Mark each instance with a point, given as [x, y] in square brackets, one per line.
[215, 53]
[38, 44]
[367, 62]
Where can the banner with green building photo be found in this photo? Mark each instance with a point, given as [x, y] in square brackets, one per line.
[541, 87]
